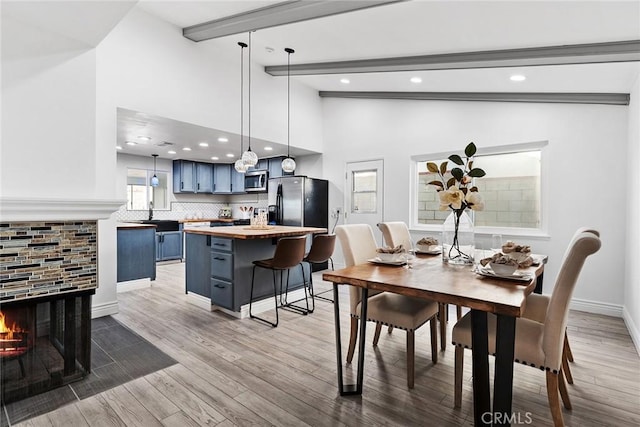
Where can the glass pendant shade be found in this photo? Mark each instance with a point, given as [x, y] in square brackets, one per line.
[249, 158]
[288, 165]
[155, 181]
[240, 166]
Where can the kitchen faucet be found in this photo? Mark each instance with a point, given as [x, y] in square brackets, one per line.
[150, 210]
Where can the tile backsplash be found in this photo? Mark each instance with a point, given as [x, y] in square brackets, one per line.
[186, 210]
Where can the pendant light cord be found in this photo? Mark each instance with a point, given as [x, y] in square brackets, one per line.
[242, 46]
[249, 88]
[289, 52]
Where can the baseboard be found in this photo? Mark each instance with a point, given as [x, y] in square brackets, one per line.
[104, 309]
[595, 307]
[268, 303]
[132, 285]
[200, 301]
[257, 307]
[632, 328]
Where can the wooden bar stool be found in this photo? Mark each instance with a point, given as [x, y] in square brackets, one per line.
[288, 254]
[321, 251]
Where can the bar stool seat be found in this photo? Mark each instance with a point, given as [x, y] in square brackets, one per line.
[288, 254]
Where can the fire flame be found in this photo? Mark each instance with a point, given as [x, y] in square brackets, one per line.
[4, 329]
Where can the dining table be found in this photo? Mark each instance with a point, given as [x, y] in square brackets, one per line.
[427, 276]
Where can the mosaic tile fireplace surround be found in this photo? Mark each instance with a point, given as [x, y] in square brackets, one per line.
[48, 273]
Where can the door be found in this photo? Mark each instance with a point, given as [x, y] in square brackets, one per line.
[364, 194]
[221, 179]
[204, 178]
[292, 201]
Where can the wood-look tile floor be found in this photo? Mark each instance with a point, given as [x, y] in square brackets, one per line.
[241, 372]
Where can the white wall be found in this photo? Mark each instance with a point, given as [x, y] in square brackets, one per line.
[632, 270]
[586, 143]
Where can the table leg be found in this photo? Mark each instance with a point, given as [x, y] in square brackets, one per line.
[538, 288]
[350, 389]
[480, 365]
[503, 376]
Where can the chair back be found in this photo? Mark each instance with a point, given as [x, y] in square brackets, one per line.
[358, 245]
[289, 252]
[321, 248]
[396, 233]
[582, 245]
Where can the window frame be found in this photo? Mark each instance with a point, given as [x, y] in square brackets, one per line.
[149, 192]
[540, 232]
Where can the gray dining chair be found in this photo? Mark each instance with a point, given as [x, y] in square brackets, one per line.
[539, 345]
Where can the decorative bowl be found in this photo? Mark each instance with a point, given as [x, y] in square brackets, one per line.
[390, 257]
[503, 269]
[427, 248]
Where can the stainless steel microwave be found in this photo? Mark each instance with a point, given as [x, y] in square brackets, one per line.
[256, 181]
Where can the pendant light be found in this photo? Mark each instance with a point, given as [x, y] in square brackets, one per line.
[154, 179]
[249, 158]
[239, 165]
[288, 164]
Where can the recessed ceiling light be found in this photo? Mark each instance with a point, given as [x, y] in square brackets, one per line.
[345, 81]
[144, 138]
[186, 149]
[230, 155]
[131, 143]
[223, 139]
[118, 147]
[203, 144]
[416, 80]
[215, 158]
[517, 78]
[171, 152]
[268, 148]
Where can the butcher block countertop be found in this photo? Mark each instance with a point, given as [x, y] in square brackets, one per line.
[245, 232]
[206, 220]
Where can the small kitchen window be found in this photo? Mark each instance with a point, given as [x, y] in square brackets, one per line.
[140, 192]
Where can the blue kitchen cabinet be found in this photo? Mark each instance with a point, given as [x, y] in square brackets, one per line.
[168, 245]
[237, 182]
[198, 264]
[136, 253]
[184, 176]
[204, 178]
[221, 179]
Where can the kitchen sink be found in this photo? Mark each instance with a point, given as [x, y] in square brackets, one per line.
[163, 224]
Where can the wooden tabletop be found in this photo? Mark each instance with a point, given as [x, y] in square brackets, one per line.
[245, 232]
[134, 225]
[430, 278]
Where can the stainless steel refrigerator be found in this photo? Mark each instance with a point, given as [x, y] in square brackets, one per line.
[299, 201]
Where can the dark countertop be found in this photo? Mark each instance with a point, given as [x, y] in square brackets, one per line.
[135, 225]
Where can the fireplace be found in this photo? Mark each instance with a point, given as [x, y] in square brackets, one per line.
[44, 344]
[48, 274]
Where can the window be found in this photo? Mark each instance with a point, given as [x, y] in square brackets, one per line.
[511, 190]
[364, 192]
[140, 192]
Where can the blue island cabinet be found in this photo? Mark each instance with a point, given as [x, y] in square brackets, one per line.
[136, 253]
[220, 268]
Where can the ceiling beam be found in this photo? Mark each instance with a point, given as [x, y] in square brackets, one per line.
[283, 13]
[621, 51]
[549, 97]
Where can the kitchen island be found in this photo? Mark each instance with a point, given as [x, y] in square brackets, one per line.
[219, 264]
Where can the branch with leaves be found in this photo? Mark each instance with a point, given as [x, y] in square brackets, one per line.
[455, 193]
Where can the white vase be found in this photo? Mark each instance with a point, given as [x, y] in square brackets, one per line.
[458, 240]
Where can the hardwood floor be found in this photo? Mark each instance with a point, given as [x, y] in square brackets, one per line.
[241, 372]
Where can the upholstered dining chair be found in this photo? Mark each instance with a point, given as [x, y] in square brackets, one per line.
[358, 245]
[537, 344]
[536, 309]
[288, 254]
[396, 233]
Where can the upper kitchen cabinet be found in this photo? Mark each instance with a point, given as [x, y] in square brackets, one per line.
[221, 179]
[237, 182]
[192, 177]
[275, 167]
[184, 176]
[263, 164]
[204, 178]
